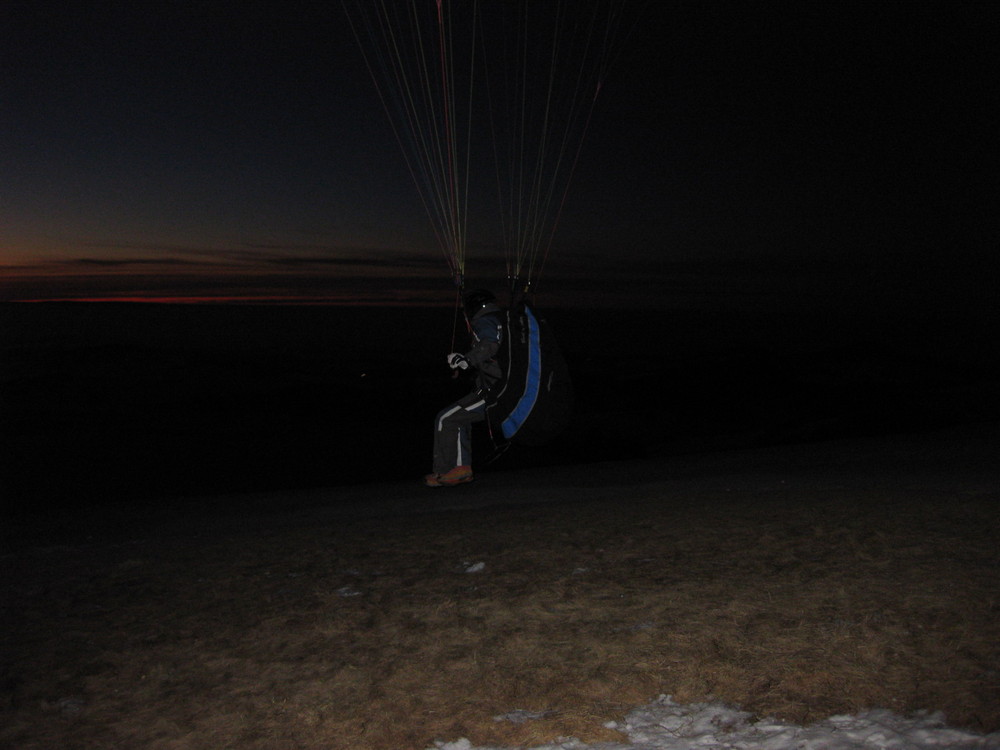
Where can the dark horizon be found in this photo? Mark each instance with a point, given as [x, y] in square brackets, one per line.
[142, 403]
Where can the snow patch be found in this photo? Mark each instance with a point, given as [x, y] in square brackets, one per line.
[666, 725]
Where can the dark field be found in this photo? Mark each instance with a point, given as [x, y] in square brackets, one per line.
[110, 403]
[214, 533]
[795, 582]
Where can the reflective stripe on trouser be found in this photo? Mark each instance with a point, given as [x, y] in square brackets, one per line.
[453, 432]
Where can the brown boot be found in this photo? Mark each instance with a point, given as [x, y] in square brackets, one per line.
[458, 475]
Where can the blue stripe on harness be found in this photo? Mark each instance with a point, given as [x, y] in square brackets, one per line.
[532, 381]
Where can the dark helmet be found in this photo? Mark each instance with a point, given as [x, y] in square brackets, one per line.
[476, 300]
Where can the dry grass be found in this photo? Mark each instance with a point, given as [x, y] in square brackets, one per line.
[370, 633]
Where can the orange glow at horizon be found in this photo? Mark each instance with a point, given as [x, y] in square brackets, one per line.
[242, 300]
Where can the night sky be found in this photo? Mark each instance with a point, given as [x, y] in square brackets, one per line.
[791, 155]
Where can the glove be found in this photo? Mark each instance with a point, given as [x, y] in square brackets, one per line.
[457, 361]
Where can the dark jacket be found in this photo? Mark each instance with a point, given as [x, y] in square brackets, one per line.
[487, 333]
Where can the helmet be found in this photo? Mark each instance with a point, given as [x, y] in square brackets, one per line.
[476, 300]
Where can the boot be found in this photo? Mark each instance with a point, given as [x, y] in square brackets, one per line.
[458, 475]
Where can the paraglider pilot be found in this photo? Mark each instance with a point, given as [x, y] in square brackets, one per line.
[453, 424]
